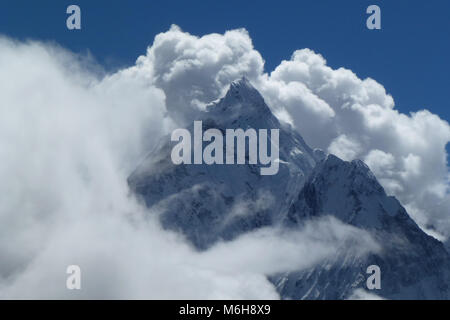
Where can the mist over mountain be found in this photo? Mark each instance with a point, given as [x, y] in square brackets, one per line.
[214, 203]
[73, 143]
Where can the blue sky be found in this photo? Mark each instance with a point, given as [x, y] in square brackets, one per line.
[409, 56]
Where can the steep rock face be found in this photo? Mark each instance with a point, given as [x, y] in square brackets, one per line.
[413, 265]
[212, 202]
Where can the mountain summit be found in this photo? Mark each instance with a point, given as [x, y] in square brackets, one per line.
[208, 203]
[242, 107]
[212, 202]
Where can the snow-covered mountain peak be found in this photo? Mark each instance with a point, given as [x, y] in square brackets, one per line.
[244, 89]
[210, 203]
[243, 107]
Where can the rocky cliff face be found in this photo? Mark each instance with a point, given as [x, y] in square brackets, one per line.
[413, 265]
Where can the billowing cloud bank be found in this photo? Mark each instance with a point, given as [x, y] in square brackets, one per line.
[333, 110]
[69, 137]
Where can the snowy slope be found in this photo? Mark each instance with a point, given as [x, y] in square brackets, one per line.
[413, 265]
